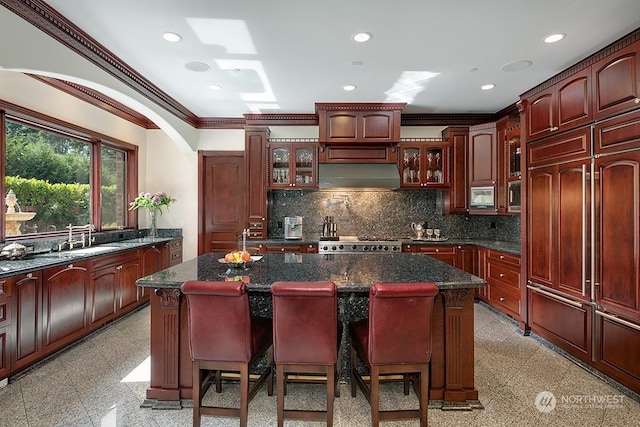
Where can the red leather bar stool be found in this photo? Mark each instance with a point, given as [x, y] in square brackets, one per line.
[306, 340]
[224, 336]
[395, 339]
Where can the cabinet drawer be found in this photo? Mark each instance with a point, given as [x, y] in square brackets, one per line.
[5, 288]
[311, 249]
[430, 249]
[503, 274]
[283, 248]
[504, 257]
[506, 298]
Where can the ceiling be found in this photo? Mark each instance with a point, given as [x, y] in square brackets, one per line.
[284, 56]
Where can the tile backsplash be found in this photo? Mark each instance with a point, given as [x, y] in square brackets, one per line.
[383, 214]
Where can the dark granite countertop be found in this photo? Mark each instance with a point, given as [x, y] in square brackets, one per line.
[52, 259]
[351, 272]
[500, 245]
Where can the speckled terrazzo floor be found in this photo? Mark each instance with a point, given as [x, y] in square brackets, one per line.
[94, 384]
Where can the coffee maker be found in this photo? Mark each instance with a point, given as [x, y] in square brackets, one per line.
[293, 227]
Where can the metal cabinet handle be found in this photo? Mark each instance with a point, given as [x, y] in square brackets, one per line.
[637, 100]
[618, 320]
[501, 274]
[555, 297]
[502, 298]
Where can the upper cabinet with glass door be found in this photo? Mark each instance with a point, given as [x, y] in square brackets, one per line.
[423, 164]
[292, 165]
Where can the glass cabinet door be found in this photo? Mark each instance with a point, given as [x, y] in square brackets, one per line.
[411, 165]
[280, 166]
[514, 156]
[434, 166]
[304, 166]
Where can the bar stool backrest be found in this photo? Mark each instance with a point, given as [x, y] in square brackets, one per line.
[219, 321]
[305, 317]
[400, 322]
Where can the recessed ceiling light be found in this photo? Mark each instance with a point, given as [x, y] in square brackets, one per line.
[487, 87]
[473, 70]
[362, 37]
[172, 37]
[196, 66]
[215, 87]
[516, 66]
[552, 38]
[349, 88]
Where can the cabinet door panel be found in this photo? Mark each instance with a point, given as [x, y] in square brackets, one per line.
[566, 325]
[27, 323]
[341, 125]
[483, 158]
[128, 274]
[540, 230]
[574, 102]
[618, 250]
[572, 235]
[64, 299]
[540, 116]
[619, 349]
[4, 353]
[377, 126]
[617, 82]
[103, 292]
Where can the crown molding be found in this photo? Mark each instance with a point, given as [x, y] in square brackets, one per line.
[55, 25]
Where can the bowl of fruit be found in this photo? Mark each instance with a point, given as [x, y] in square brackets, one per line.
[236, 259]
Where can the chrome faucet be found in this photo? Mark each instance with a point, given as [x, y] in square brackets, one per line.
[72, 242]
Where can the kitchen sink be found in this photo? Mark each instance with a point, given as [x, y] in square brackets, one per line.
[91, 250]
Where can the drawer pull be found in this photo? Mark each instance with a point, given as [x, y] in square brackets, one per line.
[502, 298]
[618, 320]
[501, 256]
[556, 297]
[501, 274]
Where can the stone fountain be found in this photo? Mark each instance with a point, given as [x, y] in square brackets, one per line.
[15, 219]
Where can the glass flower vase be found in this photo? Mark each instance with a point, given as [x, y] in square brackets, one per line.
[153, 226]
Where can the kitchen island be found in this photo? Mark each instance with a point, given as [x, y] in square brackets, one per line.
[452, 363]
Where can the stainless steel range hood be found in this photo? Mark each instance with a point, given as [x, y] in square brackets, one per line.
[359, 175]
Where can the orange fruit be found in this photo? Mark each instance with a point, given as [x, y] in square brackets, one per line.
[246, 256]
[228, 257]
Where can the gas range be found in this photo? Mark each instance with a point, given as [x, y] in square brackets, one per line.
[360, 244]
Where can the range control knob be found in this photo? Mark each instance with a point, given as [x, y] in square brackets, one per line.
[333, 248]
[374, 248]
[324, 248]
[341, 247]
[354, 247]
[365, 248]
[385, 248]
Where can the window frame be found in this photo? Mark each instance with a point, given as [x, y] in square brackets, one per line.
[25, 116]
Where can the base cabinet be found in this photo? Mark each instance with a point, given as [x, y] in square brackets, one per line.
[64, 304]
[617, 350]
[45, 310]
[503, 292]
[562, 321]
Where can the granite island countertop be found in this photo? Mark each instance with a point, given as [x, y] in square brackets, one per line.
[350, 272]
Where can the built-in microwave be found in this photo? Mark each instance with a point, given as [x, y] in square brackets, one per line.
[482, 198]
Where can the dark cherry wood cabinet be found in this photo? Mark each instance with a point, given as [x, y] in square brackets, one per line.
[270, 248]
[616, 82]
[483, 157]
[175, 256]
[6, 319]
[563, 106]
[27, 319]
[617, 237]
[618, 133]
[65, 291]
[562, 321]
[508, 166]
[256, 181]
[457, 198]
[292, 165]
[467, 258]
[45, 310]
[359, 122]
[424, 164]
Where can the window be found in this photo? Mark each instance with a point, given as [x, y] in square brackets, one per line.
[113, 188]
[49, 179]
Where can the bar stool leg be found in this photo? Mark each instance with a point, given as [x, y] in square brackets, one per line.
[280, 384]
[197, 388]
[424, 395]
[244, 395]
[331, 390]
[375, 396]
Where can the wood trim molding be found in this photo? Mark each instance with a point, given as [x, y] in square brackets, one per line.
[99, 100]
[55, 25]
